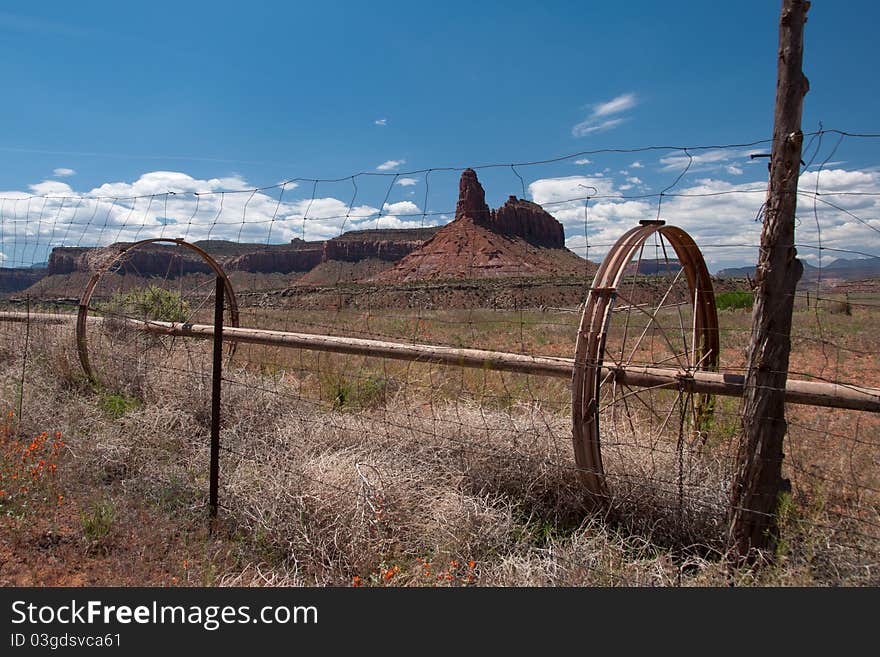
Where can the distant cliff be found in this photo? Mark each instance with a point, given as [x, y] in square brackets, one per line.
[154, 260]
[298, 256]
[67, 259]
[17, 279]
[389, 245]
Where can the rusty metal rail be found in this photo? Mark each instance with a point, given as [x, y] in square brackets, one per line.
[814, 393]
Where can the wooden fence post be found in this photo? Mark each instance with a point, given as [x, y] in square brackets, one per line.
[758, 483]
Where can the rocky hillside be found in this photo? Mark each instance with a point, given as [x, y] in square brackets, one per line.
[17, 279]
[518, 239]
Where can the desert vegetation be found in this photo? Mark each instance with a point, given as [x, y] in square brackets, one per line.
[360, 471]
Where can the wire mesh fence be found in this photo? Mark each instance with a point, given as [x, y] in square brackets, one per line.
[344, 462]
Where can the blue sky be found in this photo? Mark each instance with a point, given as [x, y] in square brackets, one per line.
[133, 96]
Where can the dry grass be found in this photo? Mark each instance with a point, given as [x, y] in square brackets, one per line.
[398, 487]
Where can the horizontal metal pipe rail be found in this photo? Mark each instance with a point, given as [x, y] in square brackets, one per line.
[812, 393]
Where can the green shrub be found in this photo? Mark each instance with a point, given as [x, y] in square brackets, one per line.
[115, 405]
[150, 303]
[366, 392]
[97, 521]
[734, 299]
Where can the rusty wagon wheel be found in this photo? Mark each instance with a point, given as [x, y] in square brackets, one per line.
[651, 305]
[153, 280]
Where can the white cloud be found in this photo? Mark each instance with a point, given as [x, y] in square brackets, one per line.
[389, 165]
[63, 172]
[615, 105]
[589, 126]
[401, 207]
[167, 204]
[720, 214]
[174, 204]
[597, 121]
[401, 214]
[51, 188]
[733, 170]
[840, 180]
[390, 221]
[583, 161]
[719, 159]
[721, 224]
[636, 165]
[160, 182]
[557, 190]
[407, 182]
[382, 122]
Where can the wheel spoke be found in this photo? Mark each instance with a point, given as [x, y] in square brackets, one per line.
[629, 307]
[668, 415]
[677, 306]
[653, 320]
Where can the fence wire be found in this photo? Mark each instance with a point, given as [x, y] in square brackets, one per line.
[340, 458]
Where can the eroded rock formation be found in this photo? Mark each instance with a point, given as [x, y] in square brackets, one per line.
[471, 198]
[529, 221]
[518, 239]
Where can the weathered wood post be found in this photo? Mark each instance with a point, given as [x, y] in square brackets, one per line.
[759, 482]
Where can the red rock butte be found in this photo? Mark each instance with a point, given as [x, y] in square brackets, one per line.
[518, 239]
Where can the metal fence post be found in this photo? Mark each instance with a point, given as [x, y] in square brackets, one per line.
[216, 378]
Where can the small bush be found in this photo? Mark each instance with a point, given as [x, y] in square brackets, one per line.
[734, 299]
[115, 406]
[368, 392]
[150, 303]
[97, 522]
[840, 308]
